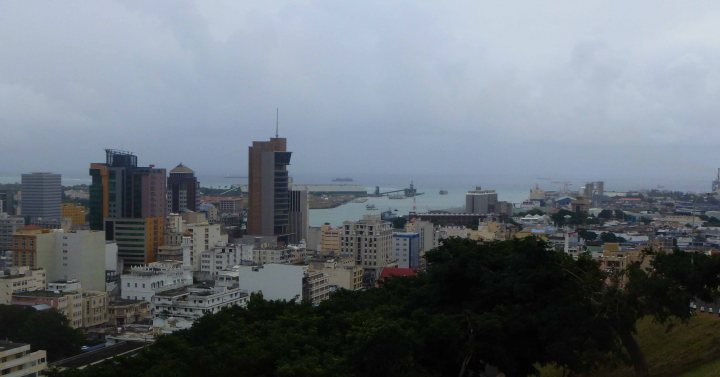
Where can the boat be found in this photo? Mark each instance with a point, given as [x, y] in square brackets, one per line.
[360, 200]
[396, 196]
[443, 192]
[343, 179]
[370, 206]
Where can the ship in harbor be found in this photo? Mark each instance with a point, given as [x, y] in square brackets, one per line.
[443, 192]
[342, 179]
[370, 207]
[396, 194]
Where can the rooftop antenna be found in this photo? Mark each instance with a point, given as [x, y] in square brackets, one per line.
[277, 121]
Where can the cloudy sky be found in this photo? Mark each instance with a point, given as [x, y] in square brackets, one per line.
[562, 89]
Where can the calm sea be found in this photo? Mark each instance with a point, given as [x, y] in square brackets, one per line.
[513, 190]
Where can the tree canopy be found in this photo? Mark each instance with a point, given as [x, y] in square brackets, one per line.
[44, 330]
[512, 305]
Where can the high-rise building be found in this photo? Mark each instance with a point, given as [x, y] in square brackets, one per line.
[41, 197]
[298, 216]
[8, 226]
[268, 199]
[130, 203]
[481, 201]
[121, 189]
[183, 190]
[7, 197]
[138, 239]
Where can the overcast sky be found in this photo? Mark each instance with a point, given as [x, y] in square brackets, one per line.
[561, 89]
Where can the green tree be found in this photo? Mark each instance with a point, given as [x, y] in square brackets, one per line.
[587, 235]
[606, 214]
[47, 330]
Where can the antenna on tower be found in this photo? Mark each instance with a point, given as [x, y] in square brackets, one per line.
[277, 121]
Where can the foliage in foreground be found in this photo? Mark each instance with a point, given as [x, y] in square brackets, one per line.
[44, 330]
[514, 305]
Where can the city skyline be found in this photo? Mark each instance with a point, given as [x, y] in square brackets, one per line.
[594, 89]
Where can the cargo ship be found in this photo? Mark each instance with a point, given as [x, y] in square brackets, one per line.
[443, 192]
[342, 179]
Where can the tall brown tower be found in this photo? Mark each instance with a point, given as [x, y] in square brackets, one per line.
[268, 199]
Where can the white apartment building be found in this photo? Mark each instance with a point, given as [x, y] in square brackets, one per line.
[17, 360]
[274, 281]
[427, 232]
[178, 309]
[79, 255]
[143, 282]
[223, 257]
[200, 237]
[279, 281]
[369, 240]
[18, 280]
[279, 254]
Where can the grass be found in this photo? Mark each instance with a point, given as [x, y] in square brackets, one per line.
[711, 369]
[672, 350]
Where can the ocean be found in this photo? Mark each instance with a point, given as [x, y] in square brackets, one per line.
[510, 189]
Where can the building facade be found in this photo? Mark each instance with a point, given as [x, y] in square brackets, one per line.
[143, 282]
[68, 303]
[316, 287]
[41, 198]
[427, 232]
[183, 190]
[121, 189]
[8, 226]
[28, 243]
[75, 255]
[407, 249]
[75, 212]
[223, 257]
[268, 201]
[330, 239]
[178, 309]
[17, 360]
[341, 274]
[18, 280]
[298, 216]
[138, 239]
[125, 312]
[481, 201]
[199, 237]
[369, 240]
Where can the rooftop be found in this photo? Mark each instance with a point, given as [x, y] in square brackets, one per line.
[396, 271]
[6, 345]
[43, 293]
[181, 169]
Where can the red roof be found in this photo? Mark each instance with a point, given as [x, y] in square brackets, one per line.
[395, 271]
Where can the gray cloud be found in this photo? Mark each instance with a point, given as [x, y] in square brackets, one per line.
[575, 89]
